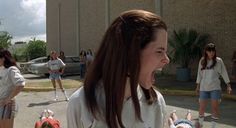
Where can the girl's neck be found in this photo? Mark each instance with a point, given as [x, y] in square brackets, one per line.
[209, 58]
[127, 89]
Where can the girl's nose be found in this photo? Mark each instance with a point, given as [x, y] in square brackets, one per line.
[166, 60]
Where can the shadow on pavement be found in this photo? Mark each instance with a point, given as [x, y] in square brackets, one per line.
[41, 77]
[44, 103]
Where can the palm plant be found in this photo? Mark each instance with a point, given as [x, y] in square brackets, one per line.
[187, 45]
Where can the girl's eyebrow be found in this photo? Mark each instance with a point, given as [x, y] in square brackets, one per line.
[161, 48]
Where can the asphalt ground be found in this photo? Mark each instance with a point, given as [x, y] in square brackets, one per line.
[32, 103]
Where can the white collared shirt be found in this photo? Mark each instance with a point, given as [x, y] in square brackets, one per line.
[153, 116]
[209, 78]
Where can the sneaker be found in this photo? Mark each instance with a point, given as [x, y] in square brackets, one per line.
[56, 98]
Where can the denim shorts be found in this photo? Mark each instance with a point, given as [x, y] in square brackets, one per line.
[214, 95]
[55, 76]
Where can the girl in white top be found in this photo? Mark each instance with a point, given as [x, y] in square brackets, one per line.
[210, 69]
[56, 68]
[118, 89]
[11, 83]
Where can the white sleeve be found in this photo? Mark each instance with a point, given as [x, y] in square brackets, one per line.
[78, 115]
[164, 112]
[199, 74]
[61, 63]
[223, 72]
[74, 114]
[16, 77]
[161, 112]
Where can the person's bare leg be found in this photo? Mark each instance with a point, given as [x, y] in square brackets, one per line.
[189, 115]
[60, 84]
[215, 112]
[174, 116]
[170, 122]
[7, 123]
[53, 83]
[55, 88]
[62, 89]
[197, 124]
[1, 123]
[202, 104]
[215, 108]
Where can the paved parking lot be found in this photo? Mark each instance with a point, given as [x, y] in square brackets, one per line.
[33, 103]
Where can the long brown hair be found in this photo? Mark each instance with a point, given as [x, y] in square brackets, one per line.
[209, 47]
[234, 56]
[118, 58]
[9, 60]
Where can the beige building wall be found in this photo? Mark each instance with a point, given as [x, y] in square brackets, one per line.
[82, 23]
[73, 25]
[95, 18]
[92, 23]
[118, 6]
[216, 17]
[61, 26]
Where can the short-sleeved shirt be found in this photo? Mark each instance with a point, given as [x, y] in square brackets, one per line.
[9, 78]
[56, 64]
[78, 115]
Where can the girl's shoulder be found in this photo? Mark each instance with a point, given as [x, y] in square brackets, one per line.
[78, 96]
[201, 59]
[219, 60]
[13, 68]
[160, 97]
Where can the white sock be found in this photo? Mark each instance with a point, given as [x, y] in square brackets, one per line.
[65, 94]
[55, 93]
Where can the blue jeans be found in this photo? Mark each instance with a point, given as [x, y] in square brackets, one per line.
[82, 70]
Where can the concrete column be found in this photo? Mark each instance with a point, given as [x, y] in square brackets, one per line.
[158, 7]
[78, 28]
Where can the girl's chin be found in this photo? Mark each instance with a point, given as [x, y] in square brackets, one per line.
[146, 86]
